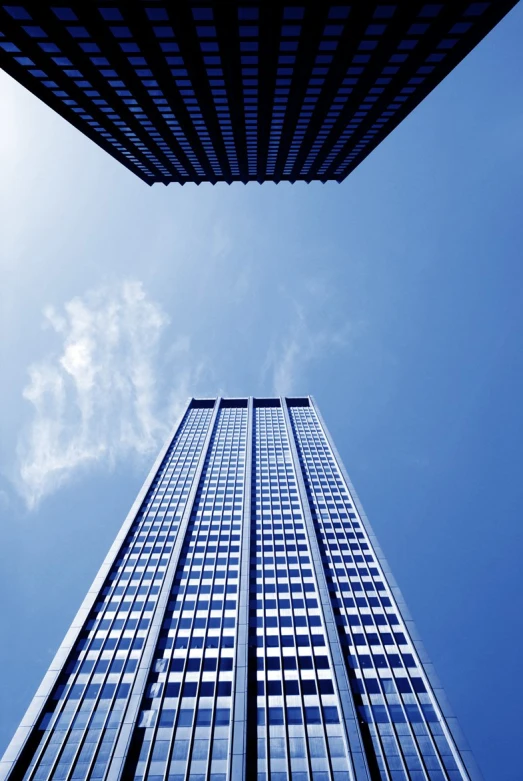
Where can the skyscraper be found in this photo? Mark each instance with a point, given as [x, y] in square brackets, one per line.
[243, 625]
[203, 90]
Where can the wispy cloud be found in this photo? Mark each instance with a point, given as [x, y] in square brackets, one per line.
[316, 326]
[95, 398]
[221, 242]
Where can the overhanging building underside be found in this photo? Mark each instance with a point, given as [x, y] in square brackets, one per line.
[238, 91]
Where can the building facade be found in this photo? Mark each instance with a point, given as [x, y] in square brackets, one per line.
[209, 91]
[244, 625]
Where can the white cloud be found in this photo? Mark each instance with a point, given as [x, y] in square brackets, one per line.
[315, 327]
[95, 400]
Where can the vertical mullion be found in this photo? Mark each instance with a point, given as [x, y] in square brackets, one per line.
[239, 735]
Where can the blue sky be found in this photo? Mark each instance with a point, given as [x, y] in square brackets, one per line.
[396, 298]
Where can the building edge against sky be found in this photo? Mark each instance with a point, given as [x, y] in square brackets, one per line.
[195, 653]
[238, 91]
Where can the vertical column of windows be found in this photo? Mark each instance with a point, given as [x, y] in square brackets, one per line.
[332, 32]
[146, 77]
[206, 32]
[171, 51]
[399, 715]
[167, 44]
[290, 32]
[179, 72]
[295, 731]
[304, 117]
[78, 729]
[185, 720]
[354, 73]
[321, 65]
[248, 33]
[214, 68]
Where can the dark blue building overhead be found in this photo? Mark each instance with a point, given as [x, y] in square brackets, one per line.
[238, 91]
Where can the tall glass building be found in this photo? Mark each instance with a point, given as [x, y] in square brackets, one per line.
[244, 625]
[243, 90]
